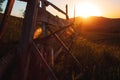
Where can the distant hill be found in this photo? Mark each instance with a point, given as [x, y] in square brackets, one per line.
[93, 23]
[90, 27]
[99, 24]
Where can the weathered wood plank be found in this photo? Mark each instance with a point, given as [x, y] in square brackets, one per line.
[58, 9]
[29, 24]
[45, 16]
[5, 17]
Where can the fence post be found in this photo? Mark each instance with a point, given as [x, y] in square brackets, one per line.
[44, 24]
[67, 12]
[5, 17]
[26, 38]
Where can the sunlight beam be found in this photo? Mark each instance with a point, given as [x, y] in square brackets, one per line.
[87, 9]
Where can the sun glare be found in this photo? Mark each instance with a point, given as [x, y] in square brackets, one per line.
[86, 10]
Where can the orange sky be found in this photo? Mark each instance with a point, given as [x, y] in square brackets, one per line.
[109, 8]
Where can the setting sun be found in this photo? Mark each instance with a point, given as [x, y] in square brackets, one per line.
[87, 9]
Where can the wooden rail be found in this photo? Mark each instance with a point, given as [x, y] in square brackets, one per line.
[45, 16]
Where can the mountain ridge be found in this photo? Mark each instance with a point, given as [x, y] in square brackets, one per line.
[98, 24]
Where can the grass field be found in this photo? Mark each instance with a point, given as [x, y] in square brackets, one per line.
[96, 48]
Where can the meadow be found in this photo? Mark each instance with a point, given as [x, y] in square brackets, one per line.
[97, 48]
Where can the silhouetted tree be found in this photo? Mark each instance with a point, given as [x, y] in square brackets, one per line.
[1, 1]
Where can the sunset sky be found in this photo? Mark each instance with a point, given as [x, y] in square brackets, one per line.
[106, 8]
